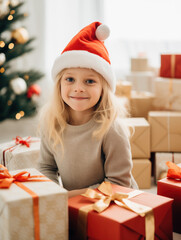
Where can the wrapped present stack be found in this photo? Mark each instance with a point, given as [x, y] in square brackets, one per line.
[140, 148]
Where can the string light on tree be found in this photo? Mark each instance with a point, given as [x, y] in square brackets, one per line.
[2, 59]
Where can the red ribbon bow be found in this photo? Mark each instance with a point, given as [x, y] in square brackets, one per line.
[174, 171]
[6, 179]
[20, 140]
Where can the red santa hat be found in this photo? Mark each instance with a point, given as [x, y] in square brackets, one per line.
[87, 50]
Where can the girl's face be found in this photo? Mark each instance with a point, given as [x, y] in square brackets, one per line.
[81, 89]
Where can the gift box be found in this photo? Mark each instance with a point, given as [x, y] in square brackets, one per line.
[160, 163]
[140, 137]
[172, 188]
[141, 81]
[141, 172]
[140, 103]
[123, 89]
[139, 64]
[165, 131]
[20, 153]
[33, 210]
[167, 94]
[119, 223]
[170, 66]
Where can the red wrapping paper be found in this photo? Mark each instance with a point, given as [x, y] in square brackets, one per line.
[170, 66]
[121, 224]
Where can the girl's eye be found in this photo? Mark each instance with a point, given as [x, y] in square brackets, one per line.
[90, 81]
[70, 79]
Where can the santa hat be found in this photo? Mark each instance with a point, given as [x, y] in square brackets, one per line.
[87, 50]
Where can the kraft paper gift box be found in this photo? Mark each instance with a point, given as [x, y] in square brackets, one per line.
[170, 66]
[160, 162]
[123, 89]
[140, 103]
[17, 211]
[167, 94]
[141, 81]
[165, 131]
[139, 64]
[142, 172]
[172, 188]
[119, 223]
[20, 156]
[140, 137]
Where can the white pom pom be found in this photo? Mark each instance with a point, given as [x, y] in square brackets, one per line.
[102, 32]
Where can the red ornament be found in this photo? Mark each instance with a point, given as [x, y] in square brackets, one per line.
[33, 89]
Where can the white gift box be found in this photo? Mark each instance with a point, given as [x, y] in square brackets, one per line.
[141, 81]
[160, 162]
[167, 94]
[17, 211]
[20, 156]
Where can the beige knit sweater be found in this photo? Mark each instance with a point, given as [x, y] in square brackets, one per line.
[87, 161]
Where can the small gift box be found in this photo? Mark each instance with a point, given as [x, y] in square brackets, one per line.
[20, 153]
[31, 206]
[131, 215]
[141, 81]
[140, 137]
[123, 89]
[165, 131]
[171, 187]
[140, 103]
[170, 66]
[139, 64]
[160, 163]
[142, 172]
[167, 94]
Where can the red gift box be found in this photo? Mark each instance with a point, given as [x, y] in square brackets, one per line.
[172, 188]
[119, 223]
[170, 66]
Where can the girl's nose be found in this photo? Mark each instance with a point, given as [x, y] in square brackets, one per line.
[79, 87]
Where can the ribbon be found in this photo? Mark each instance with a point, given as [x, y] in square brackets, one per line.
[105, 197]
[18, 142]
[6, 179]
[174, 171]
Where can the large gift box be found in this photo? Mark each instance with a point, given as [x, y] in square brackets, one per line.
[20, 153]
[139, 64]
[167, 94]
[140, 103]
[117, 222]
[140, 137]
[34, 210]
[170, 66]
[141, 81]
[165, 131]
[160, 163]
[171, 188]
[142, 172]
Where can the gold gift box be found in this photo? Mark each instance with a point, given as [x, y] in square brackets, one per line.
[139, 64]
[140, 137]
[16, 210]
[165, 131]
[142, 172]
[123, 89]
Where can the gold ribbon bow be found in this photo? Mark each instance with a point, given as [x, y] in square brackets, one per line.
[120, 199]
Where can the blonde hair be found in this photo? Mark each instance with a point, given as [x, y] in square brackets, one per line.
[55, 116]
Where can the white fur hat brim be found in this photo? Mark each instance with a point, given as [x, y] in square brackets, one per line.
[84, 59]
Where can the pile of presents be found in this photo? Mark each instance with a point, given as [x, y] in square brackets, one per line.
[33, 207]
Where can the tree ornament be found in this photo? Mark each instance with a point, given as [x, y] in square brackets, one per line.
[33, 90]
[6, 36]
[18, 85]
[2, 59]
[4, 8]
[14, 3]
[20, 35]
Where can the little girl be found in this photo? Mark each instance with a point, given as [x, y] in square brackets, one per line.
[82, 138]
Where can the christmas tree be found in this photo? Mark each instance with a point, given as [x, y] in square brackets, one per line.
[18, 90]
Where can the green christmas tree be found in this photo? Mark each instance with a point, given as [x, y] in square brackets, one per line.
[18, 90]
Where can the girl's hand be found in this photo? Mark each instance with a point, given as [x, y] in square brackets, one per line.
[76, 192]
